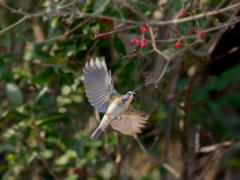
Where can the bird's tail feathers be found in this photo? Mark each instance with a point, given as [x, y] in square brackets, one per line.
[106, 120]
[95, 135]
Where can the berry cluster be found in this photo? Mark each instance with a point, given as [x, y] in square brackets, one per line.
[142, 42]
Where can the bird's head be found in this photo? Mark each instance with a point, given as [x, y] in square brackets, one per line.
[129, 97]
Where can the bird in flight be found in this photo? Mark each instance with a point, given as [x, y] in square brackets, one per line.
[102, 96]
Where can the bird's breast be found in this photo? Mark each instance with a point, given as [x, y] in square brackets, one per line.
[115, 107]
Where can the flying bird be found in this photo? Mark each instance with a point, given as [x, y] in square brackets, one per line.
[102, 96]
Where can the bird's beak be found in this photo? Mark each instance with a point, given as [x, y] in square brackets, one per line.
[129, 100]
[133, 98]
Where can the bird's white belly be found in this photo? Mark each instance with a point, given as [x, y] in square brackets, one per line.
[115, 109]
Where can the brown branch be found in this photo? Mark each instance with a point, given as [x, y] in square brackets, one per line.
[41, 143]
[94, 15]
[53, 12]
[195, 17]
[29, 15]
[120, 157]
[133, 9]
[196, 35]
[24, 18]
[167, 59]
[184, 121]
[214, 147]
[161, 23]
[67, 33]
[169, 168]
[121, 29]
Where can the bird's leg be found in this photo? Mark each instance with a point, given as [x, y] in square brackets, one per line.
[116, 118]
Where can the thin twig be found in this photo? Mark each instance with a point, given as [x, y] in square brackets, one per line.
[121, 29]
[164, 164]
[64, 35]
[214, 147]
[94, 15]
[195, 17]
[160, 53]
[193, 36]
[24, 18]
[28, 15]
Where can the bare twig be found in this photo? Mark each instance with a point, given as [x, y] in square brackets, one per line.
[194, 36]
[214, 147]
[94, 15]
[24, 18]
[160, 53]
[169, 168]
[150, 23]
[121, 29]
[67, 33]
[28, 15]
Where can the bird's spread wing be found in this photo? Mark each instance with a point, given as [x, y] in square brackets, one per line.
[130, 123]
[98, 84]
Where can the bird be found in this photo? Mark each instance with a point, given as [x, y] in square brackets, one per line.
[102, 95]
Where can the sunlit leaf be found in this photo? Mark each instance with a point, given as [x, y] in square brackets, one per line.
[14, 93]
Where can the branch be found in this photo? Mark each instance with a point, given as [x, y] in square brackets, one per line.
[192, 18]
[184, 37]
[24, 18]
[94, 15]
[163, 23]
[64, 35]
[117, 31]
[169, 168]
[214, 147]
[28, 15]
[160, 53]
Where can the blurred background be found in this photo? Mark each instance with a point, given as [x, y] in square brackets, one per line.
[181, 56]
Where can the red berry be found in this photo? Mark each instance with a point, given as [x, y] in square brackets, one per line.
[112, 27]
[130, 19]
[178, 44]
[65, 21]
[78, 170]
[143, 45]
[143, 29]
[182, 14]
[201, 33]
[144, 40]
[138, 42]
[36, 69]
[106, 21]
[205, 134]
[104, 36]
[4, 49]
[186, 45]
[31, 88]
[133, 41]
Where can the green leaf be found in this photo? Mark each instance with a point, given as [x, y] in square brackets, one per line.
[47, 154]
[100, 5]
[14, 93]
[232, 100]
[44, 77]
[119, 46]
[50, 118]
[231, 75]
[72, 177]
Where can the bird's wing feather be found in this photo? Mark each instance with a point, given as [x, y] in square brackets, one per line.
[130, 123]
[98, 84]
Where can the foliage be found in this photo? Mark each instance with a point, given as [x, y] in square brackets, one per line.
[46, 119]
